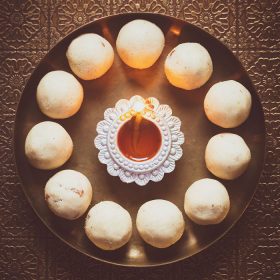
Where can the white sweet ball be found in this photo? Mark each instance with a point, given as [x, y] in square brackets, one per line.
[207, 202]
[108, 225]
[140, 43]
[227, 104]
[68, 194]
[59, 95]
[90, 56]
[188, 66]
[227, 156]
[160, 223]
[48, 145]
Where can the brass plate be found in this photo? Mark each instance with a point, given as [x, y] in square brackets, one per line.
[124, 82]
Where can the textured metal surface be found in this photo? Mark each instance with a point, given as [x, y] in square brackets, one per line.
[250, 250]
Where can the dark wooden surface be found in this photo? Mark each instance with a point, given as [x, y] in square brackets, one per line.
[250, 29]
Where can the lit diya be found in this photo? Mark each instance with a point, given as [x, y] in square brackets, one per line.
[139, 140]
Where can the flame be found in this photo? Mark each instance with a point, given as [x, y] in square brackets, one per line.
[138, 110]
[138, 106]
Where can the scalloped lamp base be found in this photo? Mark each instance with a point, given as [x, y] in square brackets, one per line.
[137, 111]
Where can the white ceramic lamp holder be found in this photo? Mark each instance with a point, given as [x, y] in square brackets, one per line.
[143, 171]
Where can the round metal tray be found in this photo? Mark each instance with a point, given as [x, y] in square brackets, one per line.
[124, 82]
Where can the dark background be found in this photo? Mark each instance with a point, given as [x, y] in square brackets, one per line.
[251, 29]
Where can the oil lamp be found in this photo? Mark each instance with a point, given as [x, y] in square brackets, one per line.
[139, 140]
